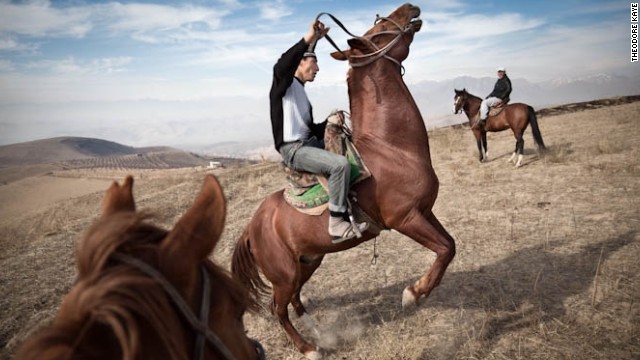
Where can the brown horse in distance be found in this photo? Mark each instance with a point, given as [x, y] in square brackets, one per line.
[514, 116]
[389, 132]
[138, 287]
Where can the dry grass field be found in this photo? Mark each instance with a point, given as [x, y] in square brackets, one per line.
[546, 267]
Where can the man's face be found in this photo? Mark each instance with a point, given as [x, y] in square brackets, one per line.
[500, 74]
[307, 69]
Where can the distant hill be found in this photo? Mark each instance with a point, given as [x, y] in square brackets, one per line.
[64, 149]
[32, 158]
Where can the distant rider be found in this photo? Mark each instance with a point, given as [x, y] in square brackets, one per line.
[501, 92]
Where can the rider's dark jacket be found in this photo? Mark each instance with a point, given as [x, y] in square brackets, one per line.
[283, 76]
[502, 88]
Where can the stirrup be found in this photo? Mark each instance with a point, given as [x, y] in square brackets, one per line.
[352, 232]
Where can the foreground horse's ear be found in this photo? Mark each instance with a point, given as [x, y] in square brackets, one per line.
[119, 198]
[196, 234]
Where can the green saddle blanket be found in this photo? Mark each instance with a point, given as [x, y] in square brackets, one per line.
[309, 192]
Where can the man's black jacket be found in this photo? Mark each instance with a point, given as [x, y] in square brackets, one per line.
[502, 89]
[283, 76]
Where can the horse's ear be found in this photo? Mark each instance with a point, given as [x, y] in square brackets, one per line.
[357, 43]
[354, 43]
[196, 234]
[341, 55]
[119, 198]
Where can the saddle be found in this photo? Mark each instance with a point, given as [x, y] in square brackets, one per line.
[308, 192]
[497, 109]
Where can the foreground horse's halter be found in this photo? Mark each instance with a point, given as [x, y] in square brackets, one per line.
[379, 52]
[199, 325]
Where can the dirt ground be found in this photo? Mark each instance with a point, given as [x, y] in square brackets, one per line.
[546, 266]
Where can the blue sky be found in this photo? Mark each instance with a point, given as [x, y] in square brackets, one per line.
[173, 73]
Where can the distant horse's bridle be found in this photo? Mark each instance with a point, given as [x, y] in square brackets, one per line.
[459, 97]
[379, 52]
[198, 325]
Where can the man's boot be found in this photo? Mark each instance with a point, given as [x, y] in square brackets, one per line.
[342, 230]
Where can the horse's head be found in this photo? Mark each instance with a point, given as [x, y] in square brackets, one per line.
[144, 292]
[459, 100]
[390, 37]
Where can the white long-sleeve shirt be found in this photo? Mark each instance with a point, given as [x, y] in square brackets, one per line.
[296, 113]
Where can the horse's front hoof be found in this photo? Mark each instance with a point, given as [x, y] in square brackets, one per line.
[408, 298]
[519, 162]
[313, 355]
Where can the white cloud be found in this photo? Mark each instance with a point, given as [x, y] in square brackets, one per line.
[72, 66]
[524, 46]
[274, 10]
[474, 26]
[38, 18]
[150, 17]
[151, 23]
[441, 4]
[8, 43]
[6, 65]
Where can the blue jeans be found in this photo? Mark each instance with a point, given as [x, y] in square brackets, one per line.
[310, 156]
[486, 104]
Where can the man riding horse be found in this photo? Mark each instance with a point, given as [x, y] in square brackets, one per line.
[299, 140]
[500, 93]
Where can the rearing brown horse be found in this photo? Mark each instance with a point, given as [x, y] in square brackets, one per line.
[389, 132]
[514, 116]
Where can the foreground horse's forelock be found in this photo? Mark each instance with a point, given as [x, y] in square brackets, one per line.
[138, 286]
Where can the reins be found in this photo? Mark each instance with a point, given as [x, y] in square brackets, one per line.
[379, 52]
[198, 325]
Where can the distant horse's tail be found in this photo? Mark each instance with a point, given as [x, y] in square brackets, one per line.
[245, 270]
[537, 136]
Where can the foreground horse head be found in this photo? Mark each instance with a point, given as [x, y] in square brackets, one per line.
[389, 133]
[146, 293]
[516, 117]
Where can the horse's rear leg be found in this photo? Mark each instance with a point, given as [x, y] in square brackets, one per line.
[481, 150]
[285, 289]
[484, 145]
[431, 234]
[307, 268]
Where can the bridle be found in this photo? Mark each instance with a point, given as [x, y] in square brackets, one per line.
[199, 325]
[379, 52]
[458, 98]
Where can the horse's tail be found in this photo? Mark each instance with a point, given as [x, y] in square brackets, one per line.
[537, 136]
[245, 270]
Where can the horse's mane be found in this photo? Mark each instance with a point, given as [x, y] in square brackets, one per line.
[477, 98]
[117, 300]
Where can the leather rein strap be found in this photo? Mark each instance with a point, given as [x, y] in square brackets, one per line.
[199, 325]
[379, 52]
